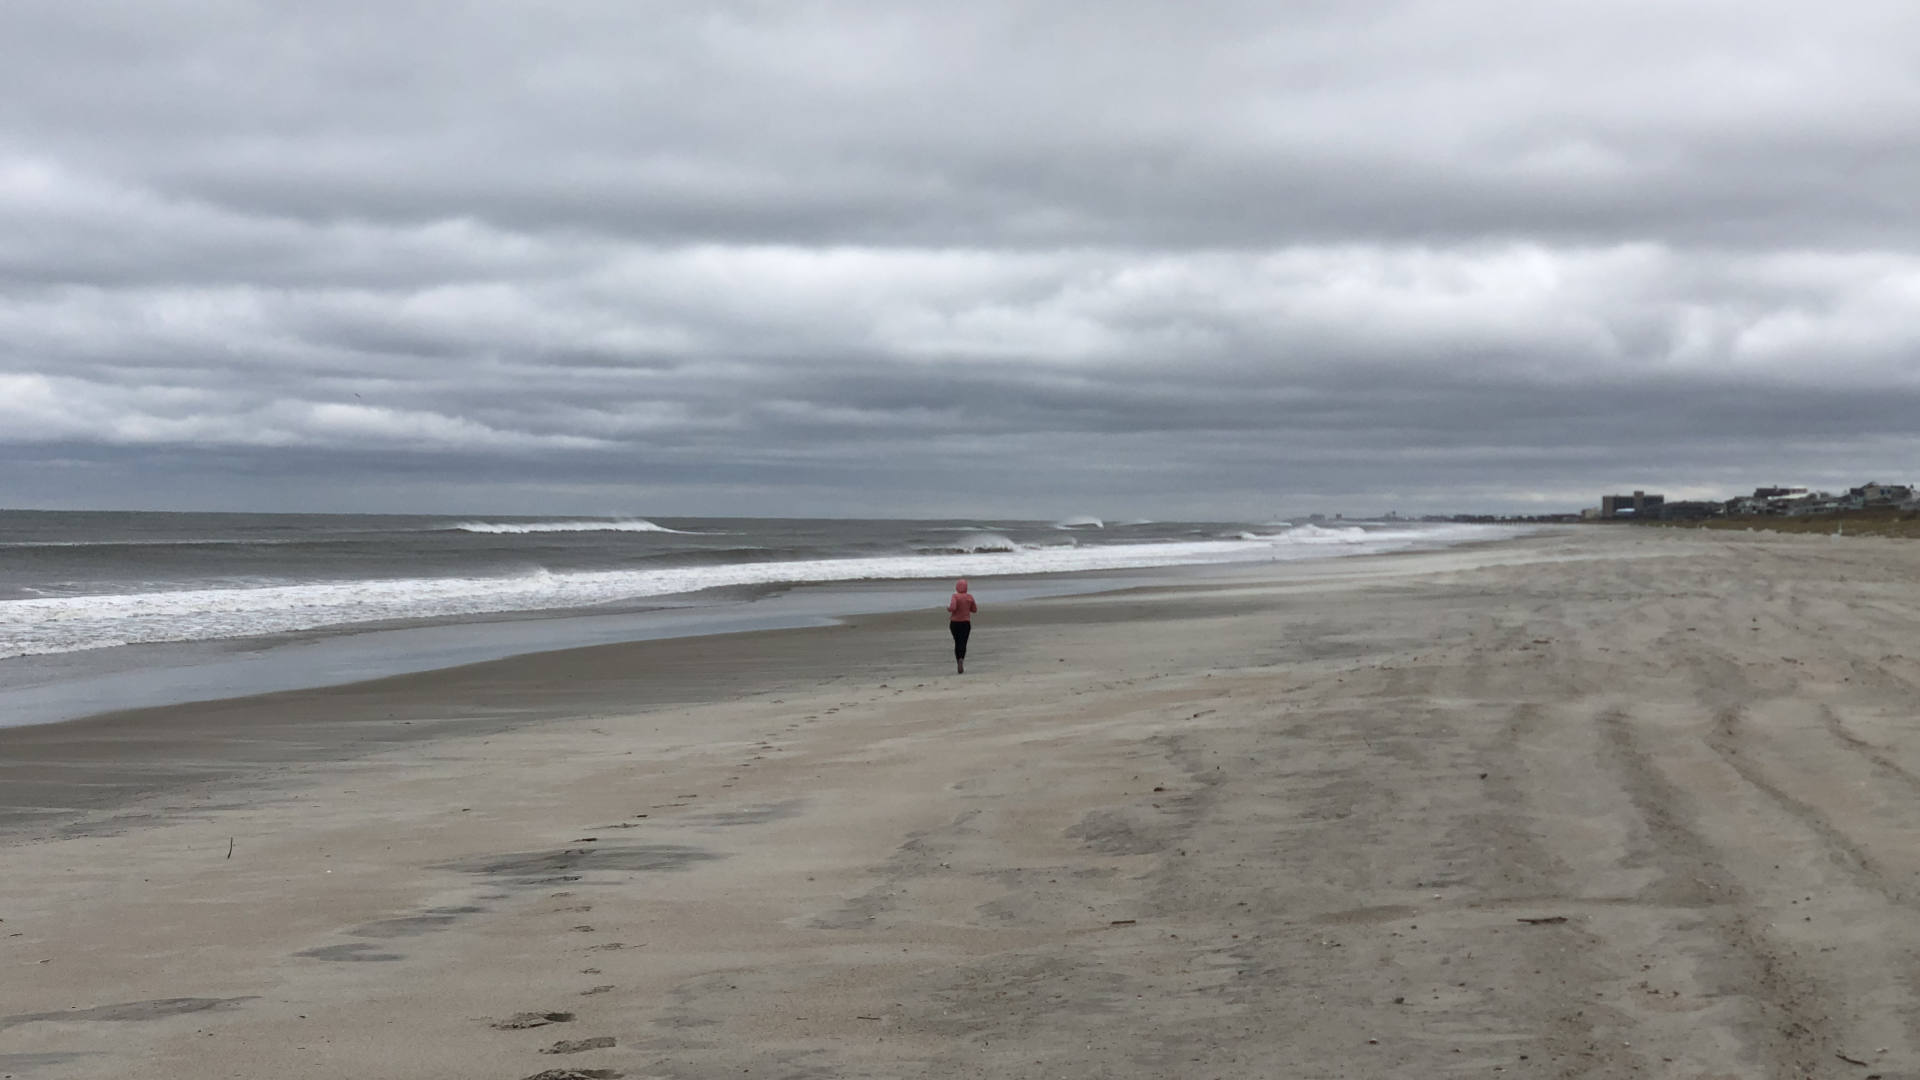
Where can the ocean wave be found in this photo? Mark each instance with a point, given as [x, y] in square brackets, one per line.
[1080, 523]
[59, 624]
[1381, 538]
[71, 624]
[976, 542]
[1320, 534]
[637, 525]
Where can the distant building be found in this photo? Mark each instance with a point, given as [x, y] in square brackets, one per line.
[1689, 510]
[1876, 495]
[1818, 502]
[1637, 505]
[1767, 500]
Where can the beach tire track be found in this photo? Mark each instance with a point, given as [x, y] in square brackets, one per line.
[1849, 857]
[1882, 762]
[1794, 1036]
[1874, 981]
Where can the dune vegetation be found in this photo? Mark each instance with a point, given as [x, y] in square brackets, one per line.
[1874, 522]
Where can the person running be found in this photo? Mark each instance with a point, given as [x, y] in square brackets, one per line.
[960, 609]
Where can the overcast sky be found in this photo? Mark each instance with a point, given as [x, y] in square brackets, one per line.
[841, 258]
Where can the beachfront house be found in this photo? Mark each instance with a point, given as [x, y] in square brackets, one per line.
[1766, 500]
[1871, 495]
[1818, 502]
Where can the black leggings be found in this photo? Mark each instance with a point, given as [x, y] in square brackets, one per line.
[960, 632]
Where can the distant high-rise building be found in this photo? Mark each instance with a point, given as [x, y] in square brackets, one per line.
[1639, 505]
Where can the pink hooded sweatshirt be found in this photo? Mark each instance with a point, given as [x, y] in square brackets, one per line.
[961, 606]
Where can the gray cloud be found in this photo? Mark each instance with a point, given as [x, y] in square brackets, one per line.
[866, 258]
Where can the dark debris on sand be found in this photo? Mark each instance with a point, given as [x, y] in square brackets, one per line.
[575, 1046]
[531, 1020]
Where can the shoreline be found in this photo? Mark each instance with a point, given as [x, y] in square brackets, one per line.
[332, 576]
[1600, 802]
[226, 739]
[62, 687]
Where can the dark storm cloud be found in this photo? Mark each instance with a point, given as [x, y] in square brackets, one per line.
[883, 258]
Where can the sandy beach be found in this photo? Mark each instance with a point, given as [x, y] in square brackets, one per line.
[1604, 802]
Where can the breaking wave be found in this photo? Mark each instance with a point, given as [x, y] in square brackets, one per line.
[1320, 534]
[638, 525]
[976, 543]
[59, 624]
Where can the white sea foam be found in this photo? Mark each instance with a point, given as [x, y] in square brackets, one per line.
[519, 527]
[1353, 534]
[1320, 534]
[73, 623]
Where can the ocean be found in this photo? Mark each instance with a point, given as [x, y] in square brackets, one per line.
[87, 595]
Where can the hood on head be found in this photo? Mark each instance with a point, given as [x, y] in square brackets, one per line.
[960, 586]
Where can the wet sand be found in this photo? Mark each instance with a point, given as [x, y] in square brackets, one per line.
[1615, 802]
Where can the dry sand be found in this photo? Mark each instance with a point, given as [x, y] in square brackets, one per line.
[1605, 803]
